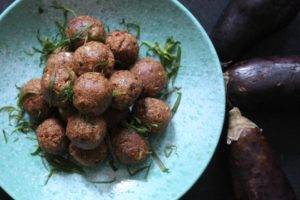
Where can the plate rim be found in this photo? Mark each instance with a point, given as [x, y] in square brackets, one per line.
[216, 61]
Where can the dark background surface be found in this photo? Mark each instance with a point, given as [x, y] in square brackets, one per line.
[282, 129]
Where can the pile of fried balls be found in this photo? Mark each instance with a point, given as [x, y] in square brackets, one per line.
[87, 91]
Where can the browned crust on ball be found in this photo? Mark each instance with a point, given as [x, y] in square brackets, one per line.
[94, 57]
[86, 132]
[62, 59]
[33, 101]
[152, 74]
[55, 79]
[89, 158]
[129, 146]
[124, 47]
[153, 112]
[92, 29]
[127, 87]
[92, 93]
[51, 136]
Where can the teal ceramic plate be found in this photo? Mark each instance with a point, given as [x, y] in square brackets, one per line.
[195, 129]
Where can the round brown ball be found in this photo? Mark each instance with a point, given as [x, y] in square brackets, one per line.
[86, 132]
[89, 158]
[127, 87]
[152, 74]
[92, 93]
[113, 117]
[51, 136]
[94, 57]
[129, 147]
[57, 84]
[60, 59]
[32, 100]
[153, 112]
[87, 27]
[124, 46]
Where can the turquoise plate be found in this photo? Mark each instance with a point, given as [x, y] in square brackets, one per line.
[195, 129]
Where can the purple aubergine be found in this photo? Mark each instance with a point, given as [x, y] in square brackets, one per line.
[245, 22]
[265, 84]
[255, 170]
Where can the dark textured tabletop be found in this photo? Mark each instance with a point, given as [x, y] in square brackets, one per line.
[281, 129]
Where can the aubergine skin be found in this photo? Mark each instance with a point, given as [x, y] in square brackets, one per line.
[256, 172]
[255, 169]
[245, 22]
[269, 84]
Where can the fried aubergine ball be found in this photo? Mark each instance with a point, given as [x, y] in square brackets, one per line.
[113, 117]
[94, 57]
[124, 46]
[57, 83]
[89, 158]
[129, 147]
[65, 59]
[51, 136]
[86, 132]
[32, 100]
[92, 93]
[127, 87]
[152, 74]
[153, 112]
[85, 28]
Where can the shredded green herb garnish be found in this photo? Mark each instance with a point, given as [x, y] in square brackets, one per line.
[115, 93]
[158, 161]
[5, 136]
[59, 164]
[133, 172]
[16, 117]
[38, 151]
[22, 96]
[18, 87]
[44, 162]
[136, 125]
[15, 140]
[24, 127]
[66, 94]
[169, 55]
[105, 181]
[29, 53]
[49, 45]
[51, 173]
[167, 92]
[148, 170]
[60, 41]
[107, 28]
[64, 8]
[31, 138]
[177, 103]
[51, 88]
[63, 164]
[12, 112]
[169, 149]
[112, 164]
[132, 27]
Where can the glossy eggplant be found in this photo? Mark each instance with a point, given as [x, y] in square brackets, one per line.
[245, 22]
[255, 170]
[265, 84]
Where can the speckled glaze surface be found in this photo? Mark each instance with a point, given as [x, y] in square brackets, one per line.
[195, 129]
